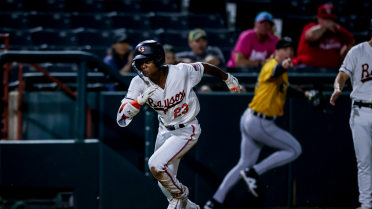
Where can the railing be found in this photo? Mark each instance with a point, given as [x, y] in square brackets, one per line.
[83, 59]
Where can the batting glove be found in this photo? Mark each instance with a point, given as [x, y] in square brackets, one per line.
[142, 99]
[232, 83]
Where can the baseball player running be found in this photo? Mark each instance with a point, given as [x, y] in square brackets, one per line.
[258, 128]
[168, 89]
[357, 66]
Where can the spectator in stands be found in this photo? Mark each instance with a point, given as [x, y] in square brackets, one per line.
[120, 56]
[170, 55]
[255, 45]
[325, 43]
[200, 51]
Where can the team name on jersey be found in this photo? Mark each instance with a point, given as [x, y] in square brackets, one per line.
[167, 103]
[366, 76]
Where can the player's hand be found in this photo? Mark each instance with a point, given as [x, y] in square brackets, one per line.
[336, 93]
[287, 63]
[142, 99]
[232, 83]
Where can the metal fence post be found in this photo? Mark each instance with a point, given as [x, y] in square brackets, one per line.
[81, 102]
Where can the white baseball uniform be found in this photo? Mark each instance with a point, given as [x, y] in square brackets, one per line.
[177, 106]
[358, 66]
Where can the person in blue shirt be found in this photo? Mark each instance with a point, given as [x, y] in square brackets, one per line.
[121, 54]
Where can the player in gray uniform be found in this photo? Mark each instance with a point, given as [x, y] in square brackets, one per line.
[357, 66]
[168, 89]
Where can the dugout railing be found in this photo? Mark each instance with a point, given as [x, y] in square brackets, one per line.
[84, 60]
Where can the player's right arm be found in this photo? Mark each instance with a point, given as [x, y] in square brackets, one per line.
[338, 85]
[130, 106]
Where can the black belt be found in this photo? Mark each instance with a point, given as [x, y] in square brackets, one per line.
[262, 116]
[174, 127]
[362, 104]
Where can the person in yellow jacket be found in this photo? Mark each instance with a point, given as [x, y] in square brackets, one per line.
[258, 128]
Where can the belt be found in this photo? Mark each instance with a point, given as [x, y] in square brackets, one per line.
[263, 116]
[362, 104]
[174, 127]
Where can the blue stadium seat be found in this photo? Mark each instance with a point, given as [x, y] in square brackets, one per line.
[13, 20]
[11, 5]
[49, 20]
[99, 51]
[131, 21]
[132, 6]
[136, 36]
[91, 20]
[18, 38]
[44, 5]
[50, 38]
[177, 38]
[206, 21]
[93, 37]
[168, 20]
[84, 6]
[160, 5]
[222, 37]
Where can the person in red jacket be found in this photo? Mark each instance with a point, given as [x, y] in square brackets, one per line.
[325, 43]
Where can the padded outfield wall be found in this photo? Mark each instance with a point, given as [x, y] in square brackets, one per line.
[324, 175]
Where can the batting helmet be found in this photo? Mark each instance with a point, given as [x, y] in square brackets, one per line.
[149, 49]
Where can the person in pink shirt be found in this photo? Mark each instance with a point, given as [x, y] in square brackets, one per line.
[325, 43]
[255, 45]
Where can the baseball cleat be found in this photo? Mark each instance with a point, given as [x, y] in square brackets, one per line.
[179, 201]
[212, 204]
[251, 183]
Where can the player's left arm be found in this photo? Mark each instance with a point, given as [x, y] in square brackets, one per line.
[338, 85]
[231, 82]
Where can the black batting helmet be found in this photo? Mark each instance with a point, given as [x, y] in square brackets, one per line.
[149, 49]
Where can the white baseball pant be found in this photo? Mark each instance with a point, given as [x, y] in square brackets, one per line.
[170, 146]
[361, 128]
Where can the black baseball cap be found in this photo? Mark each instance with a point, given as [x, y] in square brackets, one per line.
[284, 42]
[121, 38]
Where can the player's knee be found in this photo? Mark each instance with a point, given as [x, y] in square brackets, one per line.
[155, 167]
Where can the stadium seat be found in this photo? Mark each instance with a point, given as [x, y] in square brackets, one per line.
[50, 38]
[222, 37]
[99, 51]
[177, 38]
[91, 6]
[13, 20]
[206, 21]
[131, 21]
[91, 20]
[160, 5]
[132, 6]
[93, 37]
[49, 20]
[44, 5]
[11, 5]
[136, 36]
[168, 20]
[19, 38]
